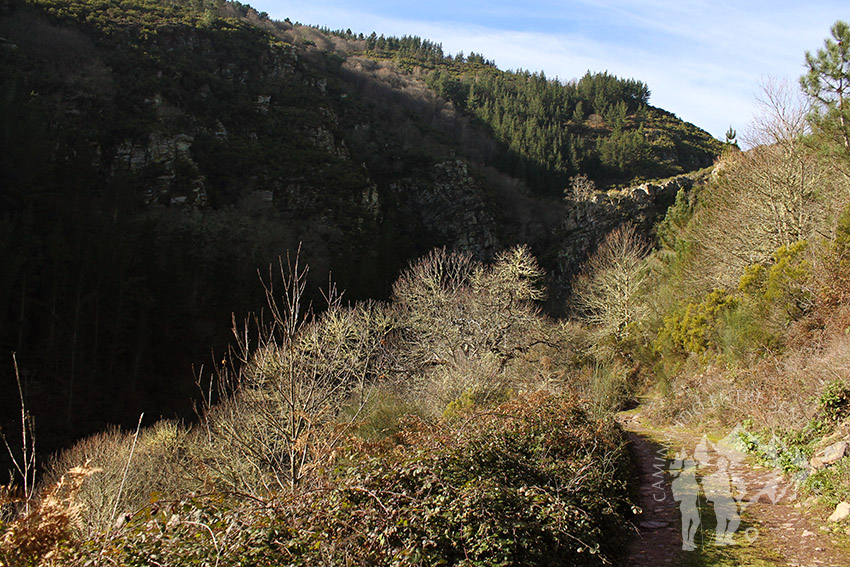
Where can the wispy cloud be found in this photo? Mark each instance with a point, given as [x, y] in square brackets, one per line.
[702, 59]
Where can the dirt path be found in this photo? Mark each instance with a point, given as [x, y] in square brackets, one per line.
[775, 528]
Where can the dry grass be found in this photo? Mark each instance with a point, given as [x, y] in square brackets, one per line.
[159, 467]
[776, 392]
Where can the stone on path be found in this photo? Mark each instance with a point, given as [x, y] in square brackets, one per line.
[652, 524]
[841, 512]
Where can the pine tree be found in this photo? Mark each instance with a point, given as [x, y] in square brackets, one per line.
[828, 83]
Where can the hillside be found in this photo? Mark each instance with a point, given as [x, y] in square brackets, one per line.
[550, 304]
[731, 330]
[155, 155]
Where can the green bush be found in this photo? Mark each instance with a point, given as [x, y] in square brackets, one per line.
[786, 450]
[782, 287]
[746, 322]
[831, 484]
[534, 482]
[608, 386]
[694, 328]
[834, 403]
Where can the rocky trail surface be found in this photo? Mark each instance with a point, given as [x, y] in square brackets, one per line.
[768, 523]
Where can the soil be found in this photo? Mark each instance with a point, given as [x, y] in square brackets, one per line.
[776, 527]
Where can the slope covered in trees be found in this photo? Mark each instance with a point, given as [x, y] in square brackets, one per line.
[456, 422]
[737, 322]
[156, 153]
[599, 125]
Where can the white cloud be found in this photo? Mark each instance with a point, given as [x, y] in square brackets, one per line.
[701, 59]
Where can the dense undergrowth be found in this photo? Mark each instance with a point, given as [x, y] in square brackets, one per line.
[154, 153]
[435, 430]
[739, 316]
[457, 424]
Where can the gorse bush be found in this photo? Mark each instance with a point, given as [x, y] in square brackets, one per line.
[746, 321]
[782, 288]
[693, 328]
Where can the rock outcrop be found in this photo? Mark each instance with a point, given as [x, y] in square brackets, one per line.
[588, 220]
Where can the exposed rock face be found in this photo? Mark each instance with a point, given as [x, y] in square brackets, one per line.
[452, 207]
[276, 132]
[589, 220]
[178, 181]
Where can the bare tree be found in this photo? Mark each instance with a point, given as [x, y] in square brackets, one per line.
[774, 194]
[286, 388]
[461, 323]
[453, 307]
[606, 293]
[581, 188]
[782, 113]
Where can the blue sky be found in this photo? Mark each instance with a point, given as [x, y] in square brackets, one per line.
[703, 60]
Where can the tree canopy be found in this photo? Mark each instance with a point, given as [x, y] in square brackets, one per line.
[827, 83]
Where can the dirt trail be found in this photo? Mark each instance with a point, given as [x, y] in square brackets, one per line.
[775, 527]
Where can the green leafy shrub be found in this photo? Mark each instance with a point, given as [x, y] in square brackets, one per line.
[742, 333]
[608, 386]
[831, 484]
[535, 481]
[834, 403]
[782, 286]
[749, 320]
[785, 450]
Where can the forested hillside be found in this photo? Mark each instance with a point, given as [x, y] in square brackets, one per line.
[180, 179]
[156, 154]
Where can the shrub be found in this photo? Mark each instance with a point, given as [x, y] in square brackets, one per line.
[535, 481]
[608, 291]
[41, 534]
[382, 415]
[781, 289]
[159, 468]
[286, 385]
[742, 334]
[831, 484]
[693, 329]
[834, 402]
[460, 324]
